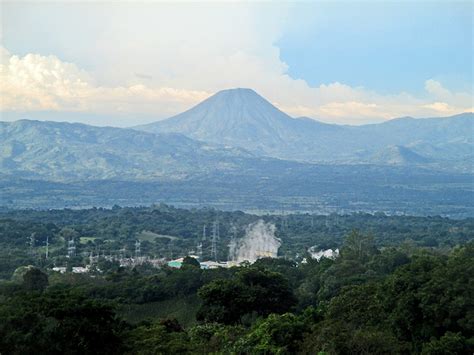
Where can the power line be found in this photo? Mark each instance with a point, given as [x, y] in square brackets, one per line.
[215, 237]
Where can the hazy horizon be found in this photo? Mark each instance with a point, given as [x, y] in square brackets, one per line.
[123, 121]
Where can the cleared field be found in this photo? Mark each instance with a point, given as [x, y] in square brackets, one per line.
[150, 236]
[84, 240]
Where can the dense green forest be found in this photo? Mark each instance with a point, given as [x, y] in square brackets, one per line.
[400, 285]
[169, 232]
[366, 301]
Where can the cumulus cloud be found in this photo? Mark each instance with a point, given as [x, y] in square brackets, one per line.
[45, 83]
[346, 104]
[160, 59]
[445, 100]
[40, 83]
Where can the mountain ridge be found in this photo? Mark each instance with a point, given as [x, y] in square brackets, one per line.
[242, 118]
[242, 131]
[399, 155]
[74, 151]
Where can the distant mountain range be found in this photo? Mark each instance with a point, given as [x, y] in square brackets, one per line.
[233, 131]
[67, 151]
[237, 151]
[242, 118]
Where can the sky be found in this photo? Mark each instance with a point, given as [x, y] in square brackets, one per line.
[124, 63]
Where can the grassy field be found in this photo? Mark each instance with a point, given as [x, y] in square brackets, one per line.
[150, 236]
[84, 240]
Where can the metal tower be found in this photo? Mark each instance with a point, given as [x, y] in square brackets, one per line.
[200, 243]
[215, 237]
[137, 249]
[232, 244]
[31, 243]
[199, 250]
[71, 248]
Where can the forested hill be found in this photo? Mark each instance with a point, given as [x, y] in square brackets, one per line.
[169, 232]
[59, 151]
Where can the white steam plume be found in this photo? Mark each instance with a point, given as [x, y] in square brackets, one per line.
[259, 242]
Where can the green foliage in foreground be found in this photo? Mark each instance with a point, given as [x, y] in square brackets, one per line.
[368, 301]
[251, 291]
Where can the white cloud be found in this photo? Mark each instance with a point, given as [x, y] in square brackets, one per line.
[442, 107]
[160, 59]
[436, 89]
[39, 83]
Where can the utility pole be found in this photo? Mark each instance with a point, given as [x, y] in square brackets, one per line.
[284, 220]
[47, 246]
[215, 237]
[170, 249]
[31, 243]
[201, 242]
[199, 250]
[232, 244]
